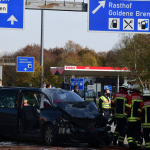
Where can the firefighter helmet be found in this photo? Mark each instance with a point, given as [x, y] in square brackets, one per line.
[124, 85]
[136, 87]
[146, 93]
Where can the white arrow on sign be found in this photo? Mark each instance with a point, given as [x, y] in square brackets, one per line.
[102, 4]
[25, 69]
[12, 19]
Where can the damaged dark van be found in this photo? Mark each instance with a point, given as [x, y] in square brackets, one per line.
[52, 115]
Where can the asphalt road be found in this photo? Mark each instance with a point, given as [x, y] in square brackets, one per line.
[40, 146]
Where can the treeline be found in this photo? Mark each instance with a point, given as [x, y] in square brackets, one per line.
[71, 54]
[131, 51]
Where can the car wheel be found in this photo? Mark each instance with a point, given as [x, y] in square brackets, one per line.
[49, 135]
[94, 144]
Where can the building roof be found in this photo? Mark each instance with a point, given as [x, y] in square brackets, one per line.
[88, 71]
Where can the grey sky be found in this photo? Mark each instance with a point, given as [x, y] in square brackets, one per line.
[59, 27]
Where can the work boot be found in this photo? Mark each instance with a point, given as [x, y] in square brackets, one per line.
[114, 143]
[137, 148]
[121, 144]
[131, 147]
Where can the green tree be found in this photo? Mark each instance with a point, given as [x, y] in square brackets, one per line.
[133, 51]
[25, 78]
[89, 60]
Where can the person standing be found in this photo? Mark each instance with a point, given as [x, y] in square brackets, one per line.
[144, 117]
[134, 129]
[76, 90]
[104, 105]
[121, 107]
[48, 86]
[44, 85]
[1, 83]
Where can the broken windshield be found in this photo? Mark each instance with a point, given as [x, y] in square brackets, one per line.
[59, 95]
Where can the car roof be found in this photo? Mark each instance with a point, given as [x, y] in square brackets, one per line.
[21, 88]
[30, 88]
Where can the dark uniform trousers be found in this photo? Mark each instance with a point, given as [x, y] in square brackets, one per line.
[119, 131]
[133, 134]
[146, 132]
[106, 113]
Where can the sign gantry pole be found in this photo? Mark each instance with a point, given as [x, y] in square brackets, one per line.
[42, 45]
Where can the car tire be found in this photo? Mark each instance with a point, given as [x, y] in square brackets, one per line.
[50, 135]
[94, 144]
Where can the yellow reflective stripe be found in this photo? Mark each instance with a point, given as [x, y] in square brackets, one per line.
[140, 110]
[130, 138]
[128, 105]
[137, 100]
[147, 143]
[132, 120]
[145, 106]
[116, 132]
[130, 141]
[136, 142]
[116, 135]
[121, 140]
[146, 126]
[121, 137]
[118, 114]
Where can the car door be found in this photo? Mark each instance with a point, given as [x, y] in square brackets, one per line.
[8, 112]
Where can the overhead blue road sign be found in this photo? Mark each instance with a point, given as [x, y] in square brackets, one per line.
[77, 81]
[12, 14]
[109, 87]
[119, 16]
[25, 64]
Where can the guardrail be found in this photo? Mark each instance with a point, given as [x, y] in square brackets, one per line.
[8, 61]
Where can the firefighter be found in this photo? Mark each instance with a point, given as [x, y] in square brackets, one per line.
[104, 105]
[121, 106]
[144, 117]
[134, 129]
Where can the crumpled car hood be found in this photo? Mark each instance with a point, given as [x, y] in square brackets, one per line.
[84, 109]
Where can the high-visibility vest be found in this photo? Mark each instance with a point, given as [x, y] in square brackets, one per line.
[105, 104]
[135, 105]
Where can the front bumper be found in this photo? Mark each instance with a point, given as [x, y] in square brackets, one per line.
[82, 136]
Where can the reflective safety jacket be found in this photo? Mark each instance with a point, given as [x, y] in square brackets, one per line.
[144, 114]
[104, 102]
[135, 105]
[121, 104]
